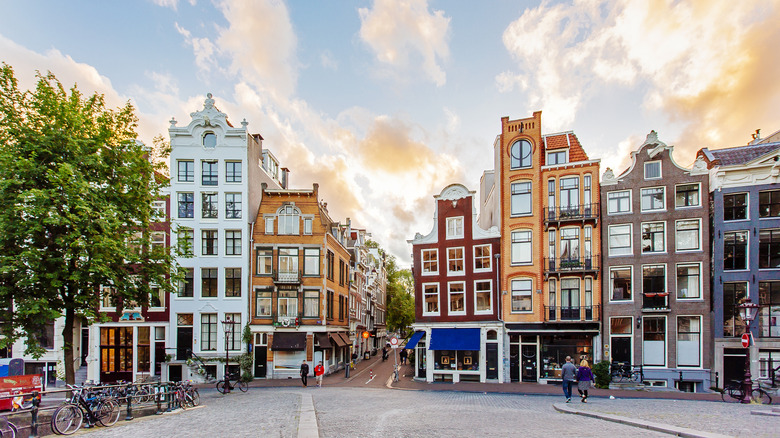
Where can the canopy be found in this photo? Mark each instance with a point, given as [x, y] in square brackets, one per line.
[338, 340]
[412, 342]
[288, 341]
[454, 339]
[323, 341]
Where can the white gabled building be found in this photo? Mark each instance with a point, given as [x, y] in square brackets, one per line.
[216, 174]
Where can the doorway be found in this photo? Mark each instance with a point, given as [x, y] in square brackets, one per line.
[261, 358]
[84, 345]
[529, 363]
[621, 349]
[492, 361]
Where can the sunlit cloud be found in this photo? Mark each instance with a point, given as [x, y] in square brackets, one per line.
[405, 33]
[707, 66]
[173, 4]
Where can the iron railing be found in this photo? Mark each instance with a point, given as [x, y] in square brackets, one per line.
[571, 264]
[287, 277]
[572, 313]
[655, 301]
[572, 213]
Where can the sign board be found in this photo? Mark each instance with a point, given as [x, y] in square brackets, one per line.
[394, 342]
[18, 385]
[745, 340]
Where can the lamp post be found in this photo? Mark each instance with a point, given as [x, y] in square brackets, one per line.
[747, 311]
[227, 325]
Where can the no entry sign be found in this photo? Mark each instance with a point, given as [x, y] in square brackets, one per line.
[745, 340]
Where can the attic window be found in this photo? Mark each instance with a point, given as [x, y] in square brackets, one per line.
[556, 158]
[209, 140]
[653, 170]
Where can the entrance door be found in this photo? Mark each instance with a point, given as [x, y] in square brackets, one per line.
[183, 343]
[529, 363]
[621, 349]
[261, 357]
[514, 362]
[492, 361]
[159, 357]
[116, 354]
[84, 345]
[733, 364]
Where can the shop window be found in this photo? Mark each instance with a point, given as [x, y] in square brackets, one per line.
[769, 313]
[653, 237]
[769, 249]
[688, 281]
[735, 250]
[733, 294]
[735, 207]
[654, 341]
[430, 261]
[768, 360]
[689, 341]
[460, 360]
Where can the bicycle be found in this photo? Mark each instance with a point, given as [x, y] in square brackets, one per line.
[7, 429]
[98, 409]
[621, 372]
[395, 372]
[736, 392]
[239, 383]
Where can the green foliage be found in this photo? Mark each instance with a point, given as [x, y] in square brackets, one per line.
[245, 362]
[246, 336]
[400, 312]
[601, 374]
[76, 193]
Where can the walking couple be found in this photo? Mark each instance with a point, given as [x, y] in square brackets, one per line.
[582, 375]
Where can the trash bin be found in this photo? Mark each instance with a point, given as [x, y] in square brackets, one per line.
[366, 355]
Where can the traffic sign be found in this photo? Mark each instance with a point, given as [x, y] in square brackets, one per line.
[394, 342]
[745, 340]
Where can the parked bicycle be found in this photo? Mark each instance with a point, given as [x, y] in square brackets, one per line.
[185, 394]
[7, 429]
[239, 383]
[622, 371]
[735, 391]
[99, 409]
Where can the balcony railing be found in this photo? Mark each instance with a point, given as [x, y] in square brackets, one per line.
[287, 277]
[569, 265]
[655, 301]
[572, 213]
[569, 313]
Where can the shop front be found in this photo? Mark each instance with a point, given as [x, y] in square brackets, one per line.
[129, 353]
[288, 351]
[456, 354]
[537, 353]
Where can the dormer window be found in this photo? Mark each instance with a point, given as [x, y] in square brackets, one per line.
[209, 140]
[558, 157]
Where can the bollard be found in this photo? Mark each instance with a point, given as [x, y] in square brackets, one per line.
[129, 403]
[168, 396]
[158, 396]
[34, 413]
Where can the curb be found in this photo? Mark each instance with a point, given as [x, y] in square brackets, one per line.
[642, 424]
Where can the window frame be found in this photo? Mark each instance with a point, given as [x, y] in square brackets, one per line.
[677, 193]
[745, 208]
[645, 318]
[557, 153]
[233, 179]
[677, 235]
[489, 293]
[663, 235]
[233, 207]
[308, 255]
[455, 225]
[189, 173]
[772, 194]
[210, 242]
[613, 250]
[519, 191]
[236, 283]
[516, 292]
[210, 279]
[450, 294]
[266, 253]
[631, 293]
[451, 259]
[208, 332]
[610, 212]
[516, 236]
[482, 257]
[189, 205]
[520, 161]
[701, 344]
[426, 294]
[435, 261]
[233, 243]
[699, 283]
[642, 195]
[209, 205]
[660, 170]
[727, 250]
[210, 176]
[267, 294]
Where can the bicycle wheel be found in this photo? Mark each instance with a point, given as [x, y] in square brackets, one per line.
[67, 419]
[195, 396]
[243, 386]
[221, 386]
[759, 396]
[732, 393]
[635, 376]
[108, 413]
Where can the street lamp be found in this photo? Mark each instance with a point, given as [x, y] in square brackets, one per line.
[227, 325]
[747, 311]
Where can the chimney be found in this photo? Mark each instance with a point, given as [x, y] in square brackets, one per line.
[285, 172]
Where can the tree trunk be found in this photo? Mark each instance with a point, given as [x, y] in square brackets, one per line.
[67, 348]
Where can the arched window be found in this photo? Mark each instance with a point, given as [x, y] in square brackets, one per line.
[289, 220]
[520, 153]
[491, 335]
[209, 140]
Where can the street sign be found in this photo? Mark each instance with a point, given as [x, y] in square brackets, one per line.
[393, 342]
[745, 340]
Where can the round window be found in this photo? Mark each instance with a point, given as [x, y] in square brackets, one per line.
[210, 140]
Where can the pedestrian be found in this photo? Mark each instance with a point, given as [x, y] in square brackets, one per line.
[304, 373]
[319, 371]
[568, 373]
[584, 380]
[384, 354]
[403, 355]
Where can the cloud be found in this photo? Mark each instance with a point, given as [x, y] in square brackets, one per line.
[328, 60]
[707, 66]
[202, 48]
[401, 32]
[173, 4]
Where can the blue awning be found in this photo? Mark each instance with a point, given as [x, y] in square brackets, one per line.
[414, 340]
[454, 339]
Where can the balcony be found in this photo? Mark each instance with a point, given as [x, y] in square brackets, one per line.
[286, 321]
[581, 265]
[575, 213]
[287, 277]
[655, 302]
[574, 314]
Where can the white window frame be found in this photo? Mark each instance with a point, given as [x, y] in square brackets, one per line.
[642, 195]
[530, 294]
[455, 227]
[613, 253]
[677, 279]
[676, 237]
[269, 225]
[701, 343]
[611, 284]
[462, 259]
[747, 206]
[489, 291]
[449, 297]
[666, 341]
[610, 212]
[660, 169]
[641, 238]
[679, 207]
[522, 244]
[435, 252]
[425, 295]
[308, 225]
[489, 258]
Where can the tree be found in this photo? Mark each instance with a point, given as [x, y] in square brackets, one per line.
[76, 192]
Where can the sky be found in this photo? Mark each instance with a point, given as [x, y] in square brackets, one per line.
[386, 102]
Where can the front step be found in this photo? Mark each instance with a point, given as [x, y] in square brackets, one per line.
[636, 386]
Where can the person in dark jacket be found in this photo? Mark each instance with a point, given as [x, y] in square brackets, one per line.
[568, 374]
[584, 380]
[304, 373]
